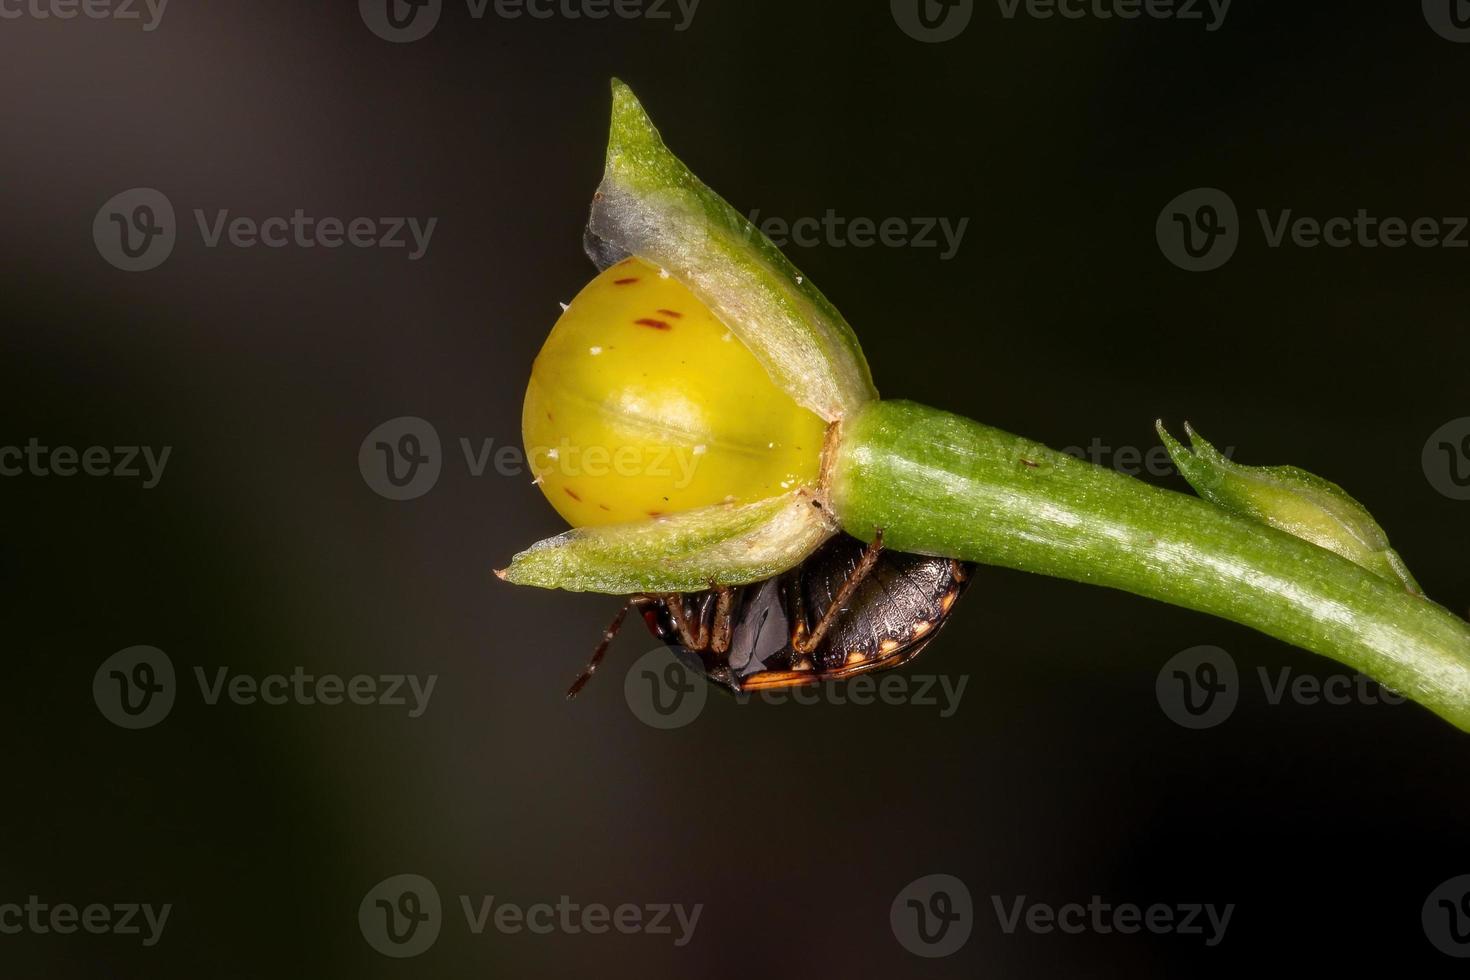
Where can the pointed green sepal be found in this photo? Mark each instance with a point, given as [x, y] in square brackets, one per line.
[1291, 500]
[650, 205]
[686, 552]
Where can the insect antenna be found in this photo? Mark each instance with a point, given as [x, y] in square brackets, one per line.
[601, 651]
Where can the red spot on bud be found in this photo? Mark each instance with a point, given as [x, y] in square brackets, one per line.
[572, 495]
[624, 282]
[652, 324]
[673, 313]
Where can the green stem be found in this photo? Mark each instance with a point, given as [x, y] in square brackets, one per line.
[940, 484]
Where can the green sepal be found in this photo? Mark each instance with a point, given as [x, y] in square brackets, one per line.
[650, 205]
[686, 552]
[1292, 500]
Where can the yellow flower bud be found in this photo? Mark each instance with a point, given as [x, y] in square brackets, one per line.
[642, 404]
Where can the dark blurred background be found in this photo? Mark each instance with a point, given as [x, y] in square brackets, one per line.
[263, 549]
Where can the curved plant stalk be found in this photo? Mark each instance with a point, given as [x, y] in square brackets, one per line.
[944, 485]
[1277, 549]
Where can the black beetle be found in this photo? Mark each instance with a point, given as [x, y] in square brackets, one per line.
[846, 610]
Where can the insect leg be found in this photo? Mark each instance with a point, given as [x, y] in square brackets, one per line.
[638, 601]
[693, 636]
[724, 620]
[808, 642]
[797, 605]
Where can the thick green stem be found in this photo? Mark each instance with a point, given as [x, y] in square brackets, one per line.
[940, 484]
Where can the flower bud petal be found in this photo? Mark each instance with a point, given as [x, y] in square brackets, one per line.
[641, 404]
[1291, 500]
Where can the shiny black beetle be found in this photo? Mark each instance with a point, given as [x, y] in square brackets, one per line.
[846, 610]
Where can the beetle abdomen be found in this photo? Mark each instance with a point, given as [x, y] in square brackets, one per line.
[896, 609]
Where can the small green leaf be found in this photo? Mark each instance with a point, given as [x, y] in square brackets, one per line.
[686, 552]
[650, 205]
[1291, 500]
